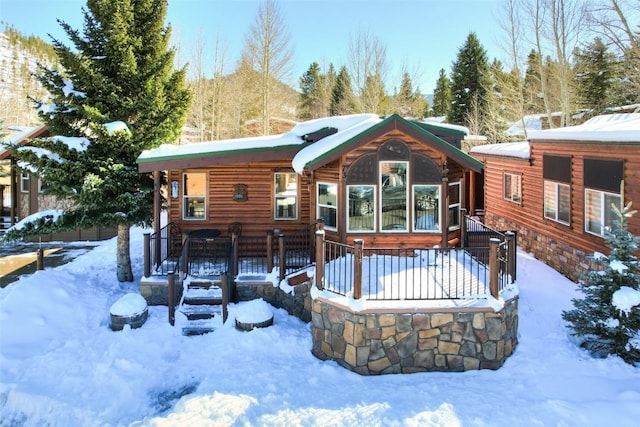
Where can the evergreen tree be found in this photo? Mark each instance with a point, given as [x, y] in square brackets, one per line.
[404, 101]
[602, 326]
[311, 88]
[342, 97]
[372, 97]
[597, 71]
[117, 96]
[468, 79]
[442, 95]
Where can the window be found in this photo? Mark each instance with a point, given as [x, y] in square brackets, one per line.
[599, 214]
[328, 204]
[194, 195]
[556, 171]
[602, 182]
[557, 202]
[426, 208]
[361, 207]
[393, 196]
[286, 195]
[24, 181]
[512, 187]
[454, 205]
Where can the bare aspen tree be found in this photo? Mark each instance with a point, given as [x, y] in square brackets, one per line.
[218, 88]
[267, 50]
[198, 84]
[367, 65]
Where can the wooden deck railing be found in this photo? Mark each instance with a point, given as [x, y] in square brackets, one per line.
[415, 274]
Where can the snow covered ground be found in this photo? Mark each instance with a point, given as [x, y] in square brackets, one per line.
[61, 365]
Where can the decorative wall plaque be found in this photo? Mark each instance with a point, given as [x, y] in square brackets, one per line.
[240, 193]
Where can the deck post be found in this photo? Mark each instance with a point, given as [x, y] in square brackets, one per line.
[270, 251]
[157, 207]
[235, 251]
[494, 269]
[147, 256]
[357, 268]
[282, 261]
[319, 259]
[224, 282]
[463, 228]
[511, 257]
[171, 297]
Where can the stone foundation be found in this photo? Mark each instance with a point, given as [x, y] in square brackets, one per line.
[373, 343]
[155, 291]
[297, 303]
[563, 258]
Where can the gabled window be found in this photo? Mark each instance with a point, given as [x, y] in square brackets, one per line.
[602, 182]
[328, 204]
[512, 187]
[557, 190]
[393, 196]
[286, 195]
[426, 208]
[194, 195]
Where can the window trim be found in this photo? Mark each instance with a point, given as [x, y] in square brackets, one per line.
[557, 185]
[185, 197]
[602, 194]
[518, 177]
[296, 197]
[322, 205]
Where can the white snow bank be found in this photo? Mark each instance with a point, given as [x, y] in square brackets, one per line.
[129, 305]
[256, 311]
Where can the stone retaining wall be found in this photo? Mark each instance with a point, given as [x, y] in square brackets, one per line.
[372, 343]
[568, 261]
[296, 303]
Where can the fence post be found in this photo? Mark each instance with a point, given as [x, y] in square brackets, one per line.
[494, 268]
[511, 257]
[171, 297]
[463, 228]
[319, 258]
[357, 268]
[270, 251]
[282, 261]
[147, 255]
[158, 249]
[40, 259]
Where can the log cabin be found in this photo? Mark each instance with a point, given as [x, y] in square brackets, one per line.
[556, 189]
[389, 181]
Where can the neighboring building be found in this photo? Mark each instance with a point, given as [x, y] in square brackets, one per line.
[389, 181]
[22, 194]
[556, 189]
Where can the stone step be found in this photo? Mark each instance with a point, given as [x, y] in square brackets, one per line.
[212, 296]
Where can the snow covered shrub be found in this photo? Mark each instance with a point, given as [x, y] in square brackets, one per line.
[607, 319]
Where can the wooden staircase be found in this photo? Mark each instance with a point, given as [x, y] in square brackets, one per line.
[205, 306]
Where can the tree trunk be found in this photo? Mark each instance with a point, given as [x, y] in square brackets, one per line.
[123, 256]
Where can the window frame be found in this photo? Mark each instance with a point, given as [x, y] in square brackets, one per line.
[556, 195]
[414, 204]
[330, 207]
[381, 188]
[277, 196]
[25, 179]
[510, 198]
[373, 190]
[457, 206]
[602, 213]
[186, 197]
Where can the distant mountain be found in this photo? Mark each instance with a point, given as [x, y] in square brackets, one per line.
[19, 56]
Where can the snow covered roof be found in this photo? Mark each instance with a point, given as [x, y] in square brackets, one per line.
[304, 151]
[605, 128]
[24, 136]
[508, 149]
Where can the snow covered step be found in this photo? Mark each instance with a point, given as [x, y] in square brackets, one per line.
[203, 296]
[201, 326]
[204, 311]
